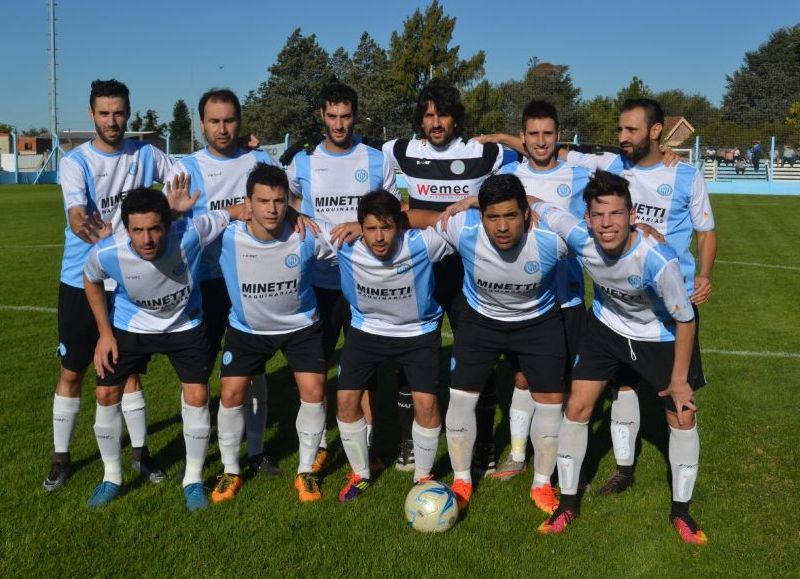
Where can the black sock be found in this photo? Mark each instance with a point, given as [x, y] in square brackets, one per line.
[679, 508]
[62, 457]
[485, 411]
[405, 406]
[625, 470]
[569, 502]
[138, 452]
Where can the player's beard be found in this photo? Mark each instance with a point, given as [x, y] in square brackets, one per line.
[638, 152]
[113, 143]
[345, 142]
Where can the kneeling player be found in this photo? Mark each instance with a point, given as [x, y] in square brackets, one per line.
[387, 277]
[267, 270]
[642, 320]
[510, 288]
[157, 310]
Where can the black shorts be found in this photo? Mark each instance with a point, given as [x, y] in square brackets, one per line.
[246, 354]
[603, 353]
[538, 345]
[418, 356]
[448, 277]
[216, 308]
[187, 352]
[77, 329]
[334, 312]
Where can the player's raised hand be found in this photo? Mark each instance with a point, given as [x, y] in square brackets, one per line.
[457, 207]
[93, 228]
[105, 354]
[683, 397]
[299, 222]
[180, 201]
[702, 289]
[345, 233]
[671, 158]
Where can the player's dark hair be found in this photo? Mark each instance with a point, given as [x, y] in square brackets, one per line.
[539, 110]
[269, 175]
[336, 93]
[447, 101]
[603, 184]
[382, 205]
[110, 88]
[220, 95]
[144, 200]
[500, 188]
[653, 113]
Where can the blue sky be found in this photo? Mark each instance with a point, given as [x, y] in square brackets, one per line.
[165, 50]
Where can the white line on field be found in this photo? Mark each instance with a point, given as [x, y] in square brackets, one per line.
[765, 265]
[38, 246]
[27, 309]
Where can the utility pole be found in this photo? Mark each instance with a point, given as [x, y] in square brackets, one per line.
[53, 92]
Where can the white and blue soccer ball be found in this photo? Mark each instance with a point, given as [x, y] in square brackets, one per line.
[431, 507]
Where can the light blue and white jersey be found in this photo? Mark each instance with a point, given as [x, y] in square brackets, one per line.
[98, 181]
[393, 297]
[222, 182]
[562, 185]
[269, 282]
[639, 294]
[160, 296]
[673, 200]
[506, 285]
[330, 186]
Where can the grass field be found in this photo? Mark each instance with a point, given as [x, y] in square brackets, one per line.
[746, 498]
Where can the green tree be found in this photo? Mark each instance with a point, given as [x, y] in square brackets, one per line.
[422, 51]
[137, 122]
[793, 118]
[635, 90]
[287, 100]
[180, 128]
[6, 128]
[485, 110]
[151, 123]
[598, 121]
[767, 83]
[697, 109]
[35, 131]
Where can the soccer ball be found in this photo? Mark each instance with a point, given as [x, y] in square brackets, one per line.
[431, 507]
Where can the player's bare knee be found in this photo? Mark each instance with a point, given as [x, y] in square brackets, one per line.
[578, 410]
[311, 387]
[69, 383]
[548, 397]
[426, 410]
[688, 419]
[348, 405]
[133, 384]
[108, 395]
[195, 394]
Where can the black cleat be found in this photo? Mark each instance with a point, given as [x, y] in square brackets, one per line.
[59, 471]
[147, 467]
[260, 464]
[619, 482]
[483, 459]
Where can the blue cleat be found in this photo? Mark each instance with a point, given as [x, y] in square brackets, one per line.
[196, 497]
[104, 493]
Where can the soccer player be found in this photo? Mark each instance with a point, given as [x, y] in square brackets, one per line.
[327, 182]
[442, 168]
[674, 201]
[387, 279]
[267, 268]
[642, 320]
[219, 171]
[93, 178]
[546, 177]
[157, 309]
[512, 307]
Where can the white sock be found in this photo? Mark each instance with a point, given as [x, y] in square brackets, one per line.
[426, 443]
[462, 429]
[323, 442]
[370, 435]
[255, 414]
[134, 411]
[684, 456]
[230, 428]
[544, 435]
[519, 419]
[108, 431]
[310, 423]
[196, 429]
[354, 441]
[65, 415]
[572, 440]
[625, 420]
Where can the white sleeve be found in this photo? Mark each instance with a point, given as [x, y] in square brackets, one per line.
[295, 186]
[438, 247]
[700, 206]
[73, 184]
[671, 288]
[210, 225]
[454, 226]
[323, 248]
[591, 161]
[93, 269]
[163, 165]
[388, 153]
[562, 223]
[389, 180]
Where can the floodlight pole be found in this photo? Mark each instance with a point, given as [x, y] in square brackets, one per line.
[53, 94]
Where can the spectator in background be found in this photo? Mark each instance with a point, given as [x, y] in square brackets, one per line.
[711, 154]
[729, 157]
[756, 154]
[739, 165]
[789, 156]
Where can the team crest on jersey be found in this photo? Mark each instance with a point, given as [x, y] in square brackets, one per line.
[452, 363]
[563, 190]
[179, 269]
[635, 281]
[457, 167]
[361, 175]
[403, 267]
[292, 260]
[61, 350]
[664, 190]
[227, 357]
[531, 267]
[132, 168]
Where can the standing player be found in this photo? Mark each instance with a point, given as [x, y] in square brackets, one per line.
[93, 179]
[512, 308]
[267, 268]
[157, 310]
[327, 182]
[642, 320]
[387, 279]
[443, 168]
[219, 172]
[674, 201]
[547, 178]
